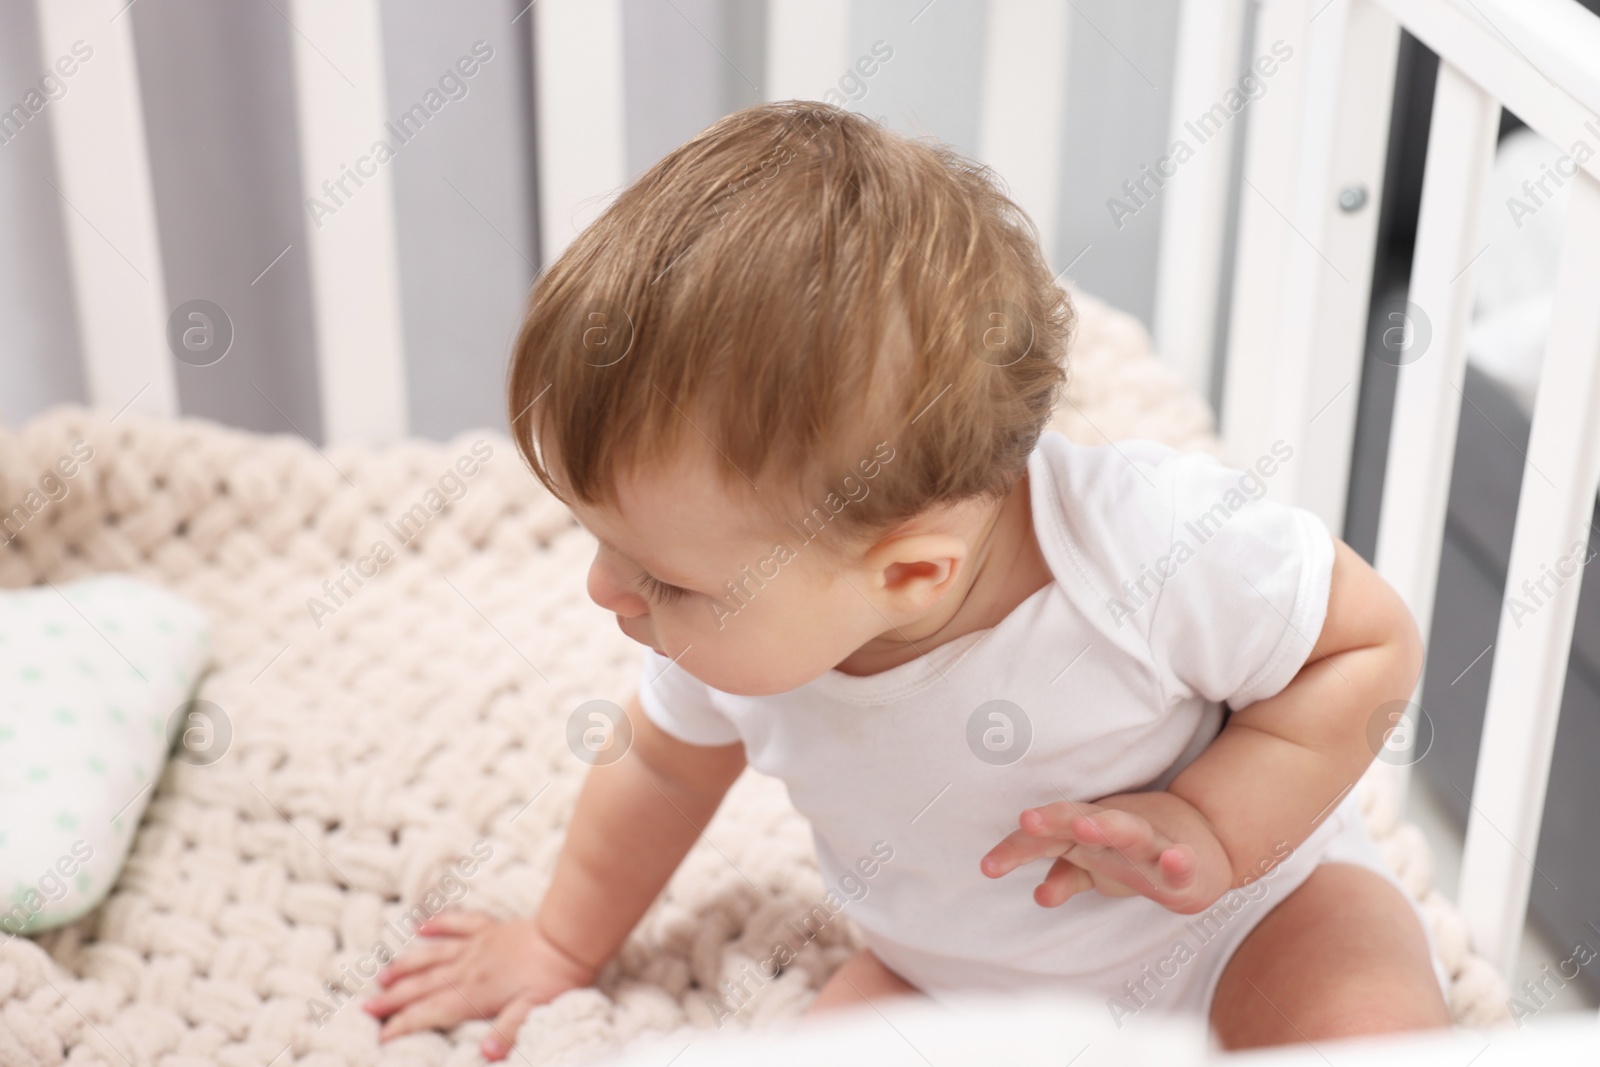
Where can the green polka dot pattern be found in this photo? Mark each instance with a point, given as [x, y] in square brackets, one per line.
[91, 673]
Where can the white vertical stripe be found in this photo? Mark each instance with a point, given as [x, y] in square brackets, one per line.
[1357, 94]
[355, 271]
[1416, 486]
[578, 77]
[1306, 383]
[1535, 636]
[1559, 98]
[1268, 201]
[108, 210]
[808, 47]
[1024, 106]
[1290, 363]
[1195, 198]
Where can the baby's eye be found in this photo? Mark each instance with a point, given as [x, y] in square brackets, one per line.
[659, 592]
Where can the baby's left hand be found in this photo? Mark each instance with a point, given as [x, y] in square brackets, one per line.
[1123, 846]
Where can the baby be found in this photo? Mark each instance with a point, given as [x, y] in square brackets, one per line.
[795, 382]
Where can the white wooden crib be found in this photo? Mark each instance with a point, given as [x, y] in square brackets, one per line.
[1309, 193]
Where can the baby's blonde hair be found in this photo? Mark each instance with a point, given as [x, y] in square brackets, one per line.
[797, 284]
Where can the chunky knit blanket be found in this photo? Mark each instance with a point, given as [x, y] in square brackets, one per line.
[399, 648]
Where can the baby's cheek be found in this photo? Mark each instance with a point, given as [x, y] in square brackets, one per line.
[749, 659]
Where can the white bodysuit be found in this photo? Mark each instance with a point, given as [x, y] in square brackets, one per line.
[1177, 588]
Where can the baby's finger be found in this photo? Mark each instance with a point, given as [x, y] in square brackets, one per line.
[1065, 881]
[1056, 819]
[1166, 880]
[497, 1046]
[406, 991]
[420, 957]
[1116, 829]
[1179, 867]
[439, 1011]
[1018, 848]
[454, 923]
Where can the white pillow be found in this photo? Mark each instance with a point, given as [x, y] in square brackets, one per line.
[95, 677]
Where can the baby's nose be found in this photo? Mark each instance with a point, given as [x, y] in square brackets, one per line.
[608, 590]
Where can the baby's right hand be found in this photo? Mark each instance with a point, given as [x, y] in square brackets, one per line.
[473, 967]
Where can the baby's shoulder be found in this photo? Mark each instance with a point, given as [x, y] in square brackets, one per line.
[1121, 496]
[1117, 520]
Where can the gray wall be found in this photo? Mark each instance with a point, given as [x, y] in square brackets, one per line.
[1119, 87]
[39, 364]
[225, 168]
[464, 199]
[219, 105]
[1119, 98]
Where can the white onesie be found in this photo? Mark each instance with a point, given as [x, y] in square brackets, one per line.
[1177, 587]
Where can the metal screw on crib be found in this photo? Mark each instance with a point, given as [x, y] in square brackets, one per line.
[1352, 198]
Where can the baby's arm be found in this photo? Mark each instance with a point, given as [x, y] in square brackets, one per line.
[634, 821]
[1280, 765]
[1273, 773]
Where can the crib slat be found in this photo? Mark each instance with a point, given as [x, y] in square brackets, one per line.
[1559, 98]
[348, 185]
[1354, 50]
[1195, 198]
[1024, 107]
[1268, 198]
[807, 47]
[578, 96]
[107, 207]
[1429, 343]
[1303, 373]
[1552, 534]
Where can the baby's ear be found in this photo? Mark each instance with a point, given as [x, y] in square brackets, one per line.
[912, 572]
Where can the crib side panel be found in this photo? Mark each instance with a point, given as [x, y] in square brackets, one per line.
[1024, 106]
[340, 104]
[579, 113]
[107, 205]
[1492, 53]
[1309, 202]
[1189, 266]
[1428, 344]
[1549, 549]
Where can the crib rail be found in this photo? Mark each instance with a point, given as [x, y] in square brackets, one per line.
[1024, 106]
[1485, 51]
[1189, 285]
[1553, 526]
[1309, 200]
[1294, 307]
[103, 174]
[1431, 341]
[355, 276]
[578, 97]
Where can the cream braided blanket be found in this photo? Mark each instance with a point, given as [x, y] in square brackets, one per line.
[400, 745]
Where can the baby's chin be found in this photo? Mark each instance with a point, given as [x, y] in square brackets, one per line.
[752, 679]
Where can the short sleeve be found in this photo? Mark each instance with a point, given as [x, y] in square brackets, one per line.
[1245, 584]
[681, 704]
[1186, 561]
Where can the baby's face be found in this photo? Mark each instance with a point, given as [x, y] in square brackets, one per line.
[668, 552]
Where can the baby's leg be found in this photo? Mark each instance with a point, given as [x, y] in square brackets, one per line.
[1342, 955]
[862, 978]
